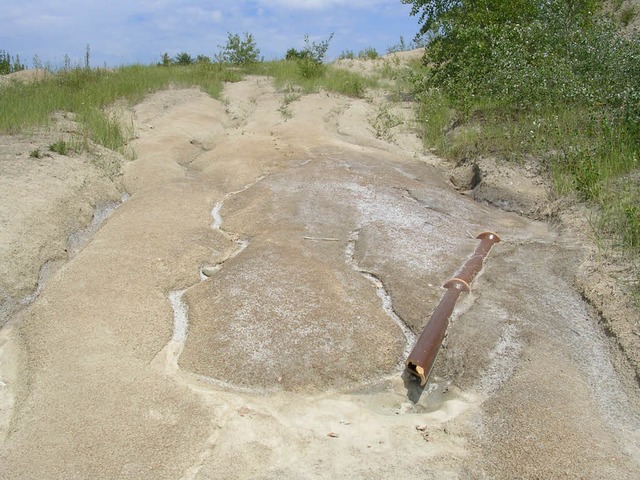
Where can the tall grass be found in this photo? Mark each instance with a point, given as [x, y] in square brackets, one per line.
[288, 72]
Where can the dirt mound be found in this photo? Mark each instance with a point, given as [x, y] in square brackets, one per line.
[25, 76]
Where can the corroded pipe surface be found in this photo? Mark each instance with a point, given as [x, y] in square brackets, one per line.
[423, 356]
[474, 264]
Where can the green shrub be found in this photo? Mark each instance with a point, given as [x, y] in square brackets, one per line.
[183, 58]
[165, 60]
[239, 51]
[61, 147]
[293, 54]
[384, 122]
[310, 59]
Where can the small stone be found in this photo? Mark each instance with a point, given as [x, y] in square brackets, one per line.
[466, 177]
[332, 435]
[242, 411]
[421, 428]
[209, 271]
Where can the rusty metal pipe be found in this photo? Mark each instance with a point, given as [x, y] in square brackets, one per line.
[474, 264]
[424, 353]
[423, 356]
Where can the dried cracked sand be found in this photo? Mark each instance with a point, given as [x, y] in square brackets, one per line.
[323, 250]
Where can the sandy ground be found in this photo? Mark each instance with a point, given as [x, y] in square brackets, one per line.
[245, 312]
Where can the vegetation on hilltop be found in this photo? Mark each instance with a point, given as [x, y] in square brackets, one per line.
[86, 92]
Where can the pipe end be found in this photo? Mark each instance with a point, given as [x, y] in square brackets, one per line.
[493, 237]
[418, 371]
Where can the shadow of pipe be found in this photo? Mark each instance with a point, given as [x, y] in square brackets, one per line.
[412, 384]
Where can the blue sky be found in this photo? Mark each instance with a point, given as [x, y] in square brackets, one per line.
[139, 31]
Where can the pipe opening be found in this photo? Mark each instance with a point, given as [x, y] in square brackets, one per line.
[418, 371]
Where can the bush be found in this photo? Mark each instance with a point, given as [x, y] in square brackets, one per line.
[627, 15]
[239, 51]
[293, 54]
[311, 58]
[183, 59]
[165, 60]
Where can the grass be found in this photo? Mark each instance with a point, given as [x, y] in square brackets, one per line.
[61, 147]
[627, 15]
[287, 73]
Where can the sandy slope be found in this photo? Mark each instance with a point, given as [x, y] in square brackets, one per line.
[325, 249]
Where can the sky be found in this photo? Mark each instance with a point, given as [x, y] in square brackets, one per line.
[122, 32]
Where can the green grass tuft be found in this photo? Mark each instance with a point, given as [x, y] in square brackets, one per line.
[61, 147]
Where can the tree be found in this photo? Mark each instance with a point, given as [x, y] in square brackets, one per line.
[239, 51]
[476, 45]
[87, 57]
[183, 58]
[9, 64]
[165, 60]
[443, 17]
[293, 54]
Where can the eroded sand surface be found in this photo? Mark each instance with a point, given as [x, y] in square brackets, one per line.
[247, 311]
